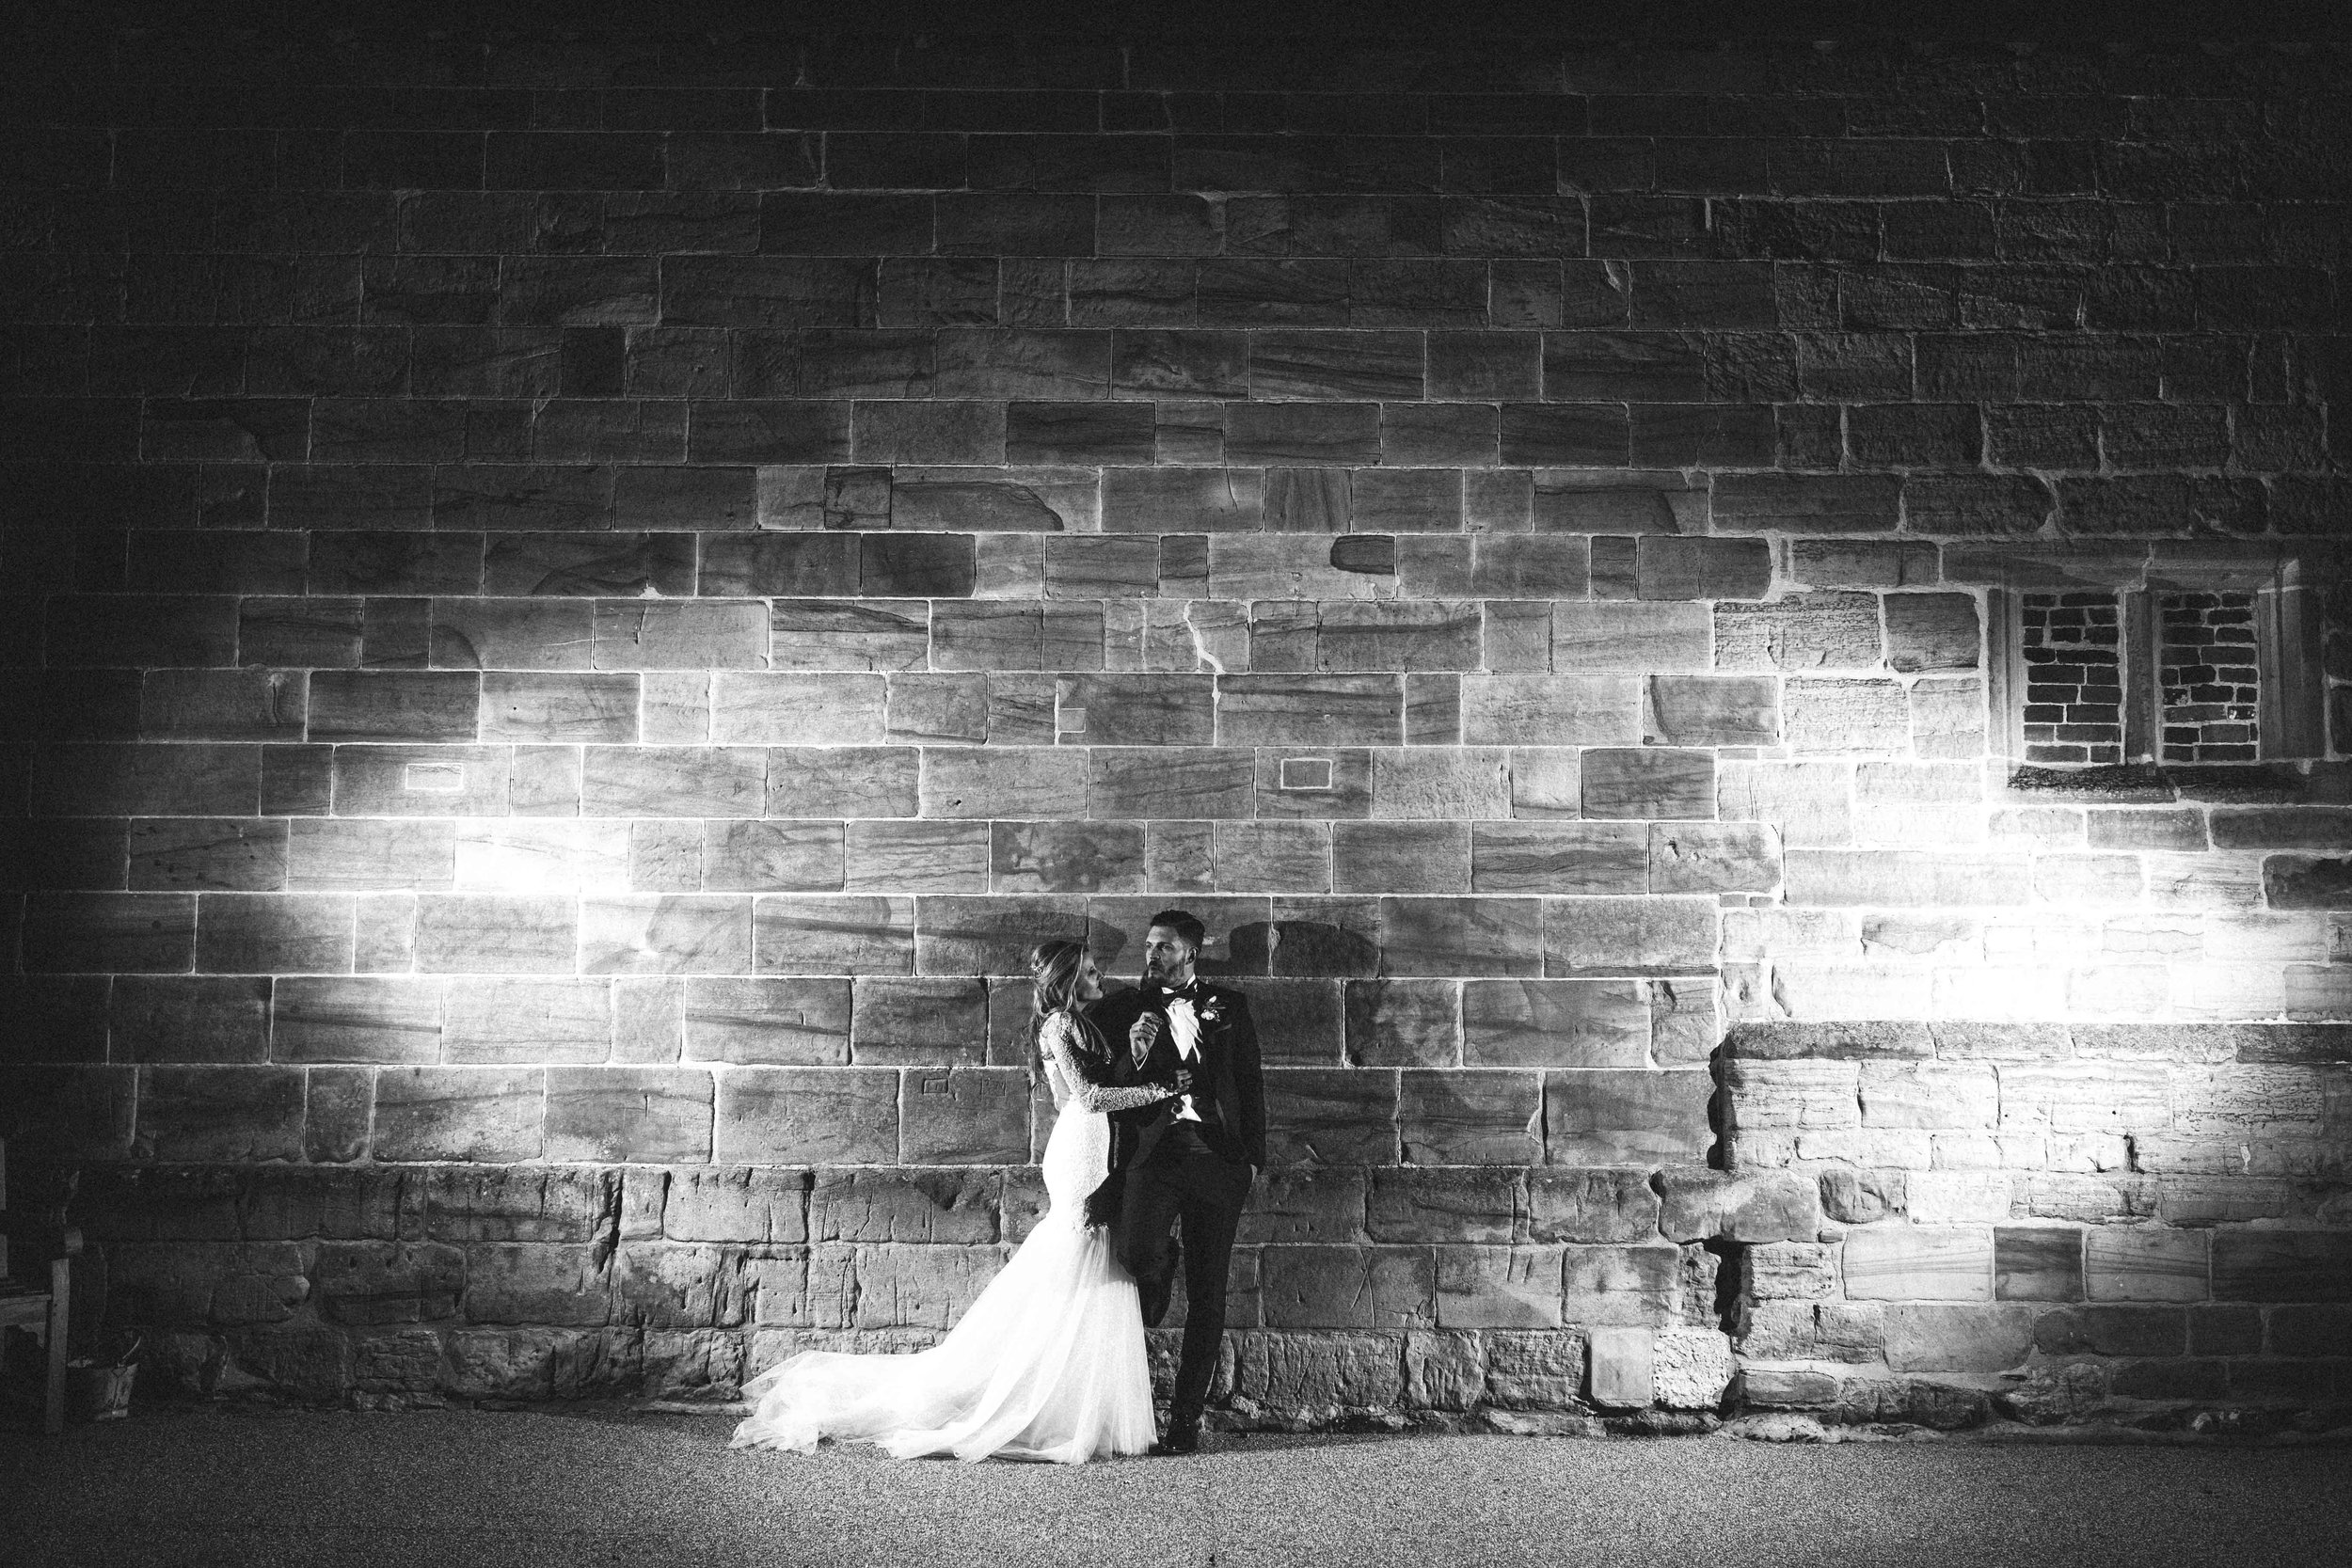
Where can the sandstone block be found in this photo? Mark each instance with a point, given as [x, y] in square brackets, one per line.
[1346, 1287]
[515, 1204]
[920, 1287]
[1318, 1373]
[627, 1114]
[2112, 1330]
[1713, 857]
[1617, 1116]
[664, 934]
[337, 1018]
[1403, 1023]
[1549, 710]
[917, 1021]
[666, 781]
[1307, 1205]
[1496, 1287]
[1669, 568]
[388, 1282]
[1832, 718]
[1400, 857]
[1940, 1095]
[834, 936]
[1534, 1370]
[235, 1115]
[1461, 936]
[1558, 857]
[526, 1020]
[795, 1022]
[1940, 1338]
[1809, 802]
[1554, 1023]
[1629, 936]
[1469, 1118]
[1790, 1271]
[2281, 1265]
[1791, 1094]
[1621, 1285]
[1759, 1206]
[1330, 1116]
[741, 1204]
[1444, 1206]
[1629, 638]
[808, 1115]
[1440, 785]
[1711, 710]
[1444, 1370]
[1546, 782]
[1622, 1376]
[1904, 877]
[1901, 1263]
[964, 1117]
[1691, 1368]
[536, 1283]
[488, 1114]
[1932, 632]
[1657, 782]
[1812, 1331]
[1799, 632]
[1591, 1205]
[2145, 1264]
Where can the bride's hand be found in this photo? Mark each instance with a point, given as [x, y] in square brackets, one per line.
[1183, 1085]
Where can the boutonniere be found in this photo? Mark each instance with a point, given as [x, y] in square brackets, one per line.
[1211, 1012]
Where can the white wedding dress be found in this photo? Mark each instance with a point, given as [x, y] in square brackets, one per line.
[1047, 1364]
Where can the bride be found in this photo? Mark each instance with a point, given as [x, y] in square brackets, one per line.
[1048, 1363]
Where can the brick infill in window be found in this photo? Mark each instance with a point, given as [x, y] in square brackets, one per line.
[2211, 677]
[2073, 679]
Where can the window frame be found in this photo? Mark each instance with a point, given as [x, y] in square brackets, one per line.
[2291, 713]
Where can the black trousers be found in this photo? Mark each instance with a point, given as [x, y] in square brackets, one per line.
[1186, 1185]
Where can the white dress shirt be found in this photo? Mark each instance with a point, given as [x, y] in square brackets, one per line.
[1184, 1023]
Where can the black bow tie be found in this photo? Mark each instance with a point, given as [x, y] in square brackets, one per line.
[1182, 994]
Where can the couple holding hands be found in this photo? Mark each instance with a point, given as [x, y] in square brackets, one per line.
[1160, 1128]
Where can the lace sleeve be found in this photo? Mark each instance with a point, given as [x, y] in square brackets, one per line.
[1087, 1078]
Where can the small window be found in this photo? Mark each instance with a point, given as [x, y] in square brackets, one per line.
[2198, 676]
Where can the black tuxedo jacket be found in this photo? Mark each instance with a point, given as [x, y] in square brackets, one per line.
[1235, 1110]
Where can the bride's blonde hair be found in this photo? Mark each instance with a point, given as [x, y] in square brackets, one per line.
[1055, 967]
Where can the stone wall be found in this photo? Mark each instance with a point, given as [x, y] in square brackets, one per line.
[579, 599]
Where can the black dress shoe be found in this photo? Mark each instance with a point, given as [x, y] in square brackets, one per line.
[1180, 1440]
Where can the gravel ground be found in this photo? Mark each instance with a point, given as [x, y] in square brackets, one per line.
[271, 1489]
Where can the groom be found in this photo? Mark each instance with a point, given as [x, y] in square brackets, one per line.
[1186, 1162]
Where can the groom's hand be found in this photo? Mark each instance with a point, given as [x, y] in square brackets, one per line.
[1143, 1035]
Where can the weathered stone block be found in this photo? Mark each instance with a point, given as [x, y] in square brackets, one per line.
[1403, 1023]
[1534, 1370]
[1346, 1287]
[1549, 710]
[943, 1207]
[1591, 1205]
[1629, 638]
[1711, 710]
[834, 936]
[1629, 936]
[2112, 1330]
[1495, 1287]
[1812, 1331]
[1309, 1373]
[1621, 1285]
[1713, 857]
[1400, 857]
[629, 1113]
[794, 1022]
[917, 1022]
[1558, 857]
[1330, 1116]
[388, 1282]
[1901, 1263]
[1461, 936]
[1622, 1376]
[920, 1287]
[1444, 1370]
[1938, 1338]
[1469, 1118]
[2145, 1264]
[1832, 717]
[808, 1115]
[1932, 632]
[1759, 1206]
[2281, 1265]
[1651, 783]
[964, 1117]
[466, 1114]
[1556, 1024]
[1613, 1117]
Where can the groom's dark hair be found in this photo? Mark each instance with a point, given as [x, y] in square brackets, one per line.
[1186, 924]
